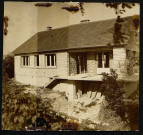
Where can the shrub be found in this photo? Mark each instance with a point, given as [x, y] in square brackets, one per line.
[113, 121]
[114, 90]
[17, 106]
[8, 66]
[133, 115]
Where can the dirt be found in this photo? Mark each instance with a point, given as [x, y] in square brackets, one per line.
[86, 110]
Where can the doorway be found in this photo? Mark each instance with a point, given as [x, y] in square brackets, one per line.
[81, 63]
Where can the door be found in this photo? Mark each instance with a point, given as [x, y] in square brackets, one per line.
[103, 62]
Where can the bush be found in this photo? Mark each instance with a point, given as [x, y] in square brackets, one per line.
[133, 115]
[8, 66]
[20, 109]
[17, 106]
[114, 121]
[114, 90]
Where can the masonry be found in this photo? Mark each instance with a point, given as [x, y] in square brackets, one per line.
[39, 76]
[119, 61]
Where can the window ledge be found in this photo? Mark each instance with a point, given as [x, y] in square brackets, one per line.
[25, 66]
[50, 66]
[38, 67]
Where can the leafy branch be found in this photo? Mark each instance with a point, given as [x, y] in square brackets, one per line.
[5, 21]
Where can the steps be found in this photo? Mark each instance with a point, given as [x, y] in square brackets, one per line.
[51, 83]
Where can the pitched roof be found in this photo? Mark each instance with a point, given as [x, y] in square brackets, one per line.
[91, 34]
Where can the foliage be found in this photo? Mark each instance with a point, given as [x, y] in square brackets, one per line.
[118, 36]
[5, 21]
[8, 66]
[120, 7]
[114, 121]
[131, 63]
[133, 115]
[20, 109]
[4, 76]
[114, 91]
[81, 8]
[17, 106]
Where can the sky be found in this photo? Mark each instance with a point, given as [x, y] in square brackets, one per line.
[26, 19]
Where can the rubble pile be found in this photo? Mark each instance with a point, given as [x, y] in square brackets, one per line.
[86, 107]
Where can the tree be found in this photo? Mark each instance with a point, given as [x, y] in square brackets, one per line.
[114, 91]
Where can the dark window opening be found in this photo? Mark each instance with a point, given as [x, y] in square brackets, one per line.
[25, 60]
[106, 57]
[81, 60]
[52, 60]
[37, 60]
[99, 60]
[127, 53]
[48, 60]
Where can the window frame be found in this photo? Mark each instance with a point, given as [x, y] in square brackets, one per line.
[102, 58]
[25, 61]
[35, 60]
[50, 60]
[127, 53]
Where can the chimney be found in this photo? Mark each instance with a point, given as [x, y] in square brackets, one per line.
[84, 21]
[49, 28]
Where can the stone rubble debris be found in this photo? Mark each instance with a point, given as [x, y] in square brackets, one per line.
[87, 107]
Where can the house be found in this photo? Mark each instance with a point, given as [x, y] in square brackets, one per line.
[72, 58]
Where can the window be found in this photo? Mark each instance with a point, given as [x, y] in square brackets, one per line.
[106, 57]
[37, 60]
[51, 60]
[25, 61]
[99, 60]
[103, 60]
[127, 54]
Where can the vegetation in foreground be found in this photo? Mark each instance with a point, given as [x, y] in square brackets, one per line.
[125, 114]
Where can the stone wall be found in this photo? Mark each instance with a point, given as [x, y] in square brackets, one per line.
[131, 87]
[119, 61]
[39, 76]
[91, 63]
[67, 86]
[72, 64]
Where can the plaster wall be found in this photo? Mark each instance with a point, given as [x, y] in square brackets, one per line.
[39, 76]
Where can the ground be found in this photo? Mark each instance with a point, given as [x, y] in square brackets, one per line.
[88, 110]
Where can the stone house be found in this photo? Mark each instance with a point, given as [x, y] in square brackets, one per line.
[72, 58]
